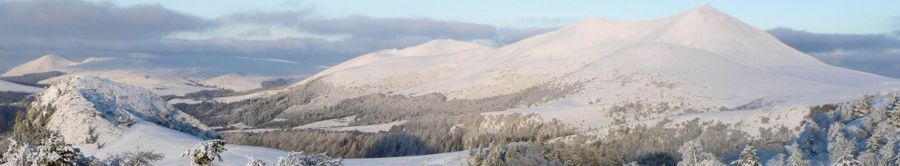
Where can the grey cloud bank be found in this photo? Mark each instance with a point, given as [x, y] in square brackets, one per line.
[56, 19]
[77, 29]
[874, 53]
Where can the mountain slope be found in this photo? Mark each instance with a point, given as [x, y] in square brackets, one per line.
[13, 87]
[235, 81]
[91, 110]
[45, 63]
[701, 60]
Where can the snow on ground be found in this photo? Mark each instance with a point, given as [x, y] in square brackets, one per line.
[146, 136]
[237, 82]
[330, 123]
[700, 61]
[173, 75]
[446, 159]
[42, 64]
[369, 128]
[13, 87]
[338, 124]
[260, 94]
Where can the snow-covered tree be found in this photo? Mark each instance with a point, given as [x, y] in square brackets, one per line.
[251, 161]
[748, 157]
[304, 159]
[51, 151]
[778, 160]
[692, 154]
[133, 158]
[847, 160]
[838, 145]
[796, 158]
[206, 152]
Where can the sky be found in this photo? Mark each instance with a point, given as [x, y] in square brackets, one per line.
[810, 15]
[862, 35]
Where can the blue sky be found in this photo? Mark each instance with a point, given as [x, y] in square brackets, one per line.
[823, 16]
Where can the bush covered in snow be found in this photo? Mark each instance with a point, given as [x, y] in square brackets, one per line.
[206, 152]
[51, 151]
[133, 158]
[251, 161]
[304, 159]
[865, 132]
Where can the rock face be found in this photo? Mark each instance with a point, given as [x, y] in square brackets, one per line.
[90, 110]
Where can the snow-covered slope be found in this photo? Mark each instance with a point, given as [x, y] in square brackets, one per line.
[92, 111]
[235, 81]
[105, 118]
[45, 63]
[701, 60]
[13, 87]
[173, 75]
[711, 40]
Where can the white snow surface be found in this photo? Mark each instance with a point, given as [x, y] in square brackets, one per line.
[701, 59]
[173, 75]
[45, 63]
[80, 102]
[237, 82]
[13, 87]
[90, 107]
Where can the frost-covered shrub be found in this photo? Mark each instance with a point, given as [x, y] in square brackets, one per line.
[206, 152]
[51, 151]
[577, 152]
[304, 159]
[747, 158]
[692, 154]
[847, 160]
[834, 134]
[138, 158]
[251, 161]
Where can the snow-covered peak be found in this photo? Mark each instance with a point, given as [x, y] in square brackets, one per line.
[438, 47]
[45, 63]
[705, 10]
[94, 111]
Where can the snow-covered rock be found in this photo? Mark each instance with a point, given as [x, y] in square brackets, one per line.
[92, 111]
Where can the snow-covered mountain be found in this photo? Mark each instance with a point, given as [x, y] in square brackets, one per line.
[172, 75]
[92, 110]
[701, 60]
[45, 63]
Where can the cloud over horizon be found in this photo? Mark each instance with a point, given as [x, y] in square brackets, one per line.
[60, 19]
[77, 29]
[873, 53]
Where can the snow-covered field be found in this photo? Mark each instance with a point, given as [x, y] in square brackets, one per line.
[13, 87]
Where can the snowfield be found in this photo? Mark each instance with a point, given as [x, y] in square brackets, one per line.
[701, 61]
[13, 87]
